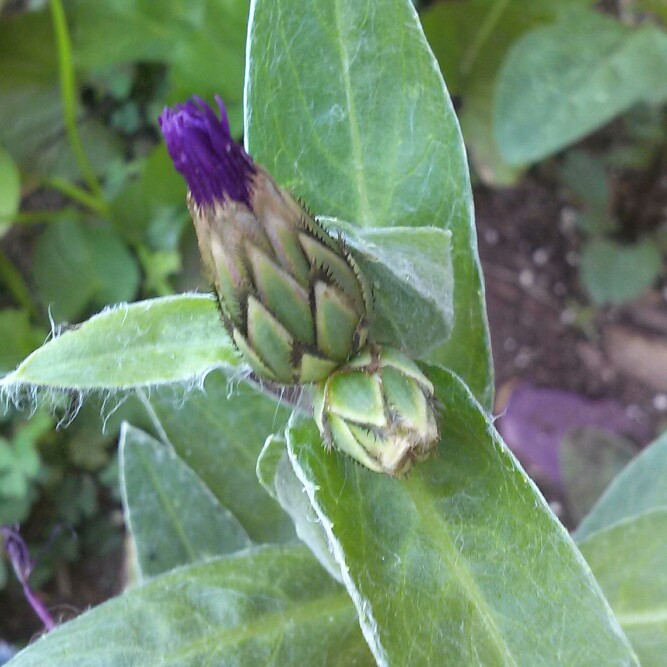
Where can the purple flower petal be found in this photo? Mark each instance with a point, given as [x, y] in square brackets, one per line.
[214, 166]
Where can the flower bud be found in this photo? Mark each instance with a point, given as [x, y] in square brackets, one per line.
[291, 295]
[378, 409]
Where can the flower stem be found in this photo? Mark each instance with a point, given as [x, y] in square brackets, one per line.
[22, 564]
[94, 203]
[68, 92]
[39, 608]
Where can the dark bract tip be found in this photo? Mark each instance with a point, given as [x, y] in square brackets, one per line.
[214, 166]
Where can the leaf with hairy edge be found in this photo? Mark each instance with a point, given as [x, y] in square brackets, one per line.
[463, 558]
[276, 475]
[173, 517]
[166, 340]
[638, 488]
[345, 104]
[218, 432]
[629, 560]
[268, 605]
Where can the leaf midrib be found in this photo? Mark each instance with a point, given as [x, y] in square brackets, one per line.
[646, 617]
[167, 505]
[268, 624]
[457, 564]
[365, 219]
[221, 353]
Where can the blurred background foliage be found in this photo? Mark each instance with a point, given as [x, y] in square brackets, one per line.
[92, 212]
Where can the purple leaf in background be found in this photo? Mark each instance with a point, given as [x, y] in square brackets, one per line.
[537, 419]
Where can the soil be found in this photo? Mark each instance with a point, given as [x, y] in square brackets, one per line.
[542, 328]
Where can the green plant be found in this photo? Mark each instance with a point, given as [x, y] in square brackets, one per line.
[102, 218]
[462, 562]
[611, 271]
[531, 79]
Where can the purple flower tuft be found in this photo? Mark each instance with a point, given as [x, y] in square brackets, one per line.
[214, 166]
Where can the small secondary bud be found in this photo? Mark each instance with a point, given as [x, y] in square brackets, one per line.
[378, 409]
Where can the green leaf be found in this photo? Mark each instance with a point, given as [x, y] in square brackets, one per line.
[410, 272]
[614, 273]
[629, 560]
[172, 339]
[150, 208]
[76, 265]
[658, 7]
[344, 103]
[173, 517]
[109, 32]
[463, 558]
[589, 459]
[10, 188]
[557, 84]
[269, 605]
[470, 40]
[19, 338]
[32, 126]
[639, 488]
[277, 476]
[587, 177]
[218, 432]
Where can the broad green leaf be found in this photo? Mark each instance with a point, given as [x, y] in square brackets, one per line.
[639, 488]
[19, 338]
[470, 40]
[77, 265]
[410, 271]
[614, 273]
[10, 188]
[477, 127]
[31, 118]
[27, 47]
[276, 475]
[265, 606]
[557, 84]
[345, 104]
[658, 7]
[590, 458]
[173, 517]
[463, 558]
[586, 176]
[150, 208]
[109, 32]
[219, 432]
[629, 560]
[172, 339]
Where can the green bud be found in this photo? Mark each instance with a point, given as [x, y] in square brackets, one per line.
[291, 295]
[378, 409]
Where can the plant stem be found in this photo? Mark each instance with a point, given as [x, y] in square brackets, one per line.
[68, 92]
[97, 204]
